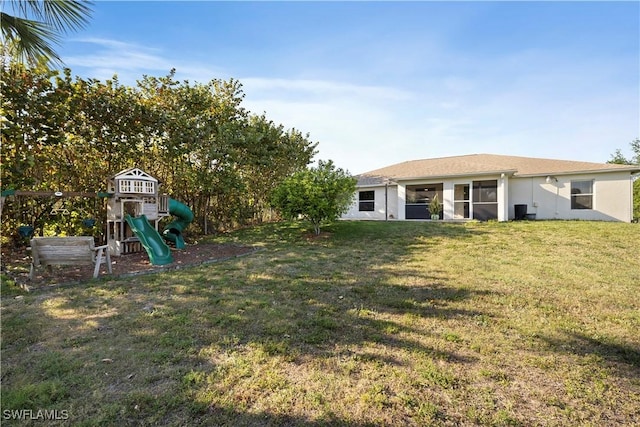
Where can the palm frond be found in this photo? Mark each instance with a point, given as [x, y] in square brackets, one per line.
[63, 15]
[67, 15]
[30, 39]
[39, 23]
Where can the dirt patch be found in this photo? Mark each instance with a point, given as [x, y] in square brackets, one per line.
[324, 235]
[16, 263]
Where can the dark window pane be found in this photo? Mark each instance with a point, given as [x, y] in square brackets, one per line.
[366, 206]
[485, 191]
[581, 194]
[417, 212]
[485, 212]
[581, 187]
[485, 200]
[367, 201]
[367, 195]
[581, 202]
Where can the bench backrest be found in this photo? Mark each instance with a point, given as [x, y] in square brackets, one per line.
[63, 250]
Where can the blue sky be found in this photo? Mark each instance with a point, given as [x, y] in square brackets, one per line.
[376, 83]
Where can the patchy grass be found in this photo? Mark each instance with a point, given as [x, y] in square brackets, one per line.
[414, 323]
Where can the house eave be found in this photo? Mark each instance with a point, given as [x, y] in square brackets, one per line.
[381, 184]
[459, 175]
[632, 170]
[509, 172]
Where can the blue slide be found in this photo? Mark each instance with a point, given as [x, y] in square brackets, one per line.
[159, 252]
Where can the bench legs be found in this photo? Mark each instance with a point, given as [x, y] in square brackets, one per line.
[32, 270]
[102, 251]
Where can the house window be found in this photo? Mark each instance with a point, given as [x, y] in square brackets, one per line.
[485, 200]
[136, 186]
[485, 191]
[125, 186]
[366, 201]
[581, 194]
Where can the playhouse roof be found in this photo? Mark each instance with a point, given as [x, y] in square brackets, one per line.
[134, 173]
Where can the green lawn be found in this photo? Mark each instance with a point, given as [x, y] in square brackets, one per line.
[399, 323]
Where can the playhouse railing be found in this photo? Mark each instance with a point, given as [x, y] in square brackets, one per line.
[163, 205]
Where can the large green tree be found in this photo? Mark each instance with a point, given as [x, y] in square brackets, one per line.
[619, 158]
[318, 194]
[70, 134]
[34, 26]
[264, 141]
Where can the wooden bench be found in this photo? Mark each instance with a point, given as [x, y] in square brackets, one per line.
[79, 250]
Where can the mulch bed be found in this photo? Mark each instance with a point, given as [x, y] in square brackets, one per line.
[16, 263]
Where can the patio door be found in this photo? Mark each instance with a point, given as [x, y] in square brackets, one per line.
[461, 201]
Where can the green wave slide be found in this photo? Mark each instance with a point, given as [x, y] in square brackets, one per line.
[158, 251]
[173, 231]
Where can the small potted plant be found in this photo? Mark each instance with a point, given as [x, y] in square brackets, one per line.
[435, 207]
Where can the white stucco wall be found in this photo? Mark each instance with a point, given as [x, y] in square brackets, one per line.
[611, 199]
[379, 212]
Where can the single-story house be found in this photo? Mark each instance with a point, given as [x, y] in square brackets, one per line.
[496, 187]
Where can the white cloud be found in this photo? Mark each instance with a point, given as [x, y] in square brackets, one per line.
[117, 56]
[322, 88]
[130, 61]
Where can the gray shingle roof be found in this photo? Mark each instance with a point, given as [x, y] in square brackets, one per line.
[481, 164]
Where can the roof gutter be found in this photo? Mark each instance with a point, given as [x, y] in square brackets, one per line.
[377, 184]
[459, 175]
[633, 170]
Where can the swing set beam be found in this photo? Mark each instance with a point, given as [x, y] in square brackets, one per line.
[55, 193]
[10, 193]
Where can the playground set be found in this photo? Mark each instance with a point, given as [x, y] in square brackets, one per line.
[134, 210]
